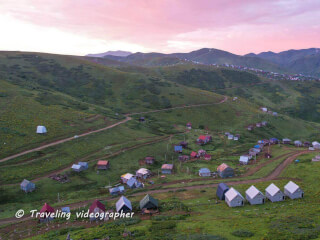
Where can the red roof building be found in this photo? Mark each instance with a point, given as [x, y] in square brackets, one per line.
[194, 155]
[207, 157]
[97, 206]
[103, 165]
[47, 208]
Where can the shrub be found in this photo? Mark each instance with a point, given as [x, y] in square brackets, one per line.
[242, 233]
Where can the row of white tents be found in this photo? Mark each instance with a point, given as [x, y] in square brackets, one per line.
[234, 199]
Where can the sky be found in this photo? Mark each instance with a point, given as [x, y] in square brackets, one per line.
[79, 27]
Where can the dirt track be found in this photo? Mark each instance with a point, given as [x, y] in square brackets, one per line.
[128, 118]
[272, 176]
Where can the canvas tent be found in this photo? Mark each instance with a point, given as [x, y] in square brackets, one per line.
[221, 190]
[204, 172]
[123, 204]
[254, 196]
[274, 194]
[41, 130]
[244, 160]
[233, 198]
[293, 191]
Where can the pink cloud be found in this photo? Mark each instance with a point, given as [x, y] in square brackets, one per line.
[240, 25]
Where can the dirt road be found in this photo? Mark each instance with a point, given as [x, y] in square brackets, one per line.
[128, 118]
[272, 176]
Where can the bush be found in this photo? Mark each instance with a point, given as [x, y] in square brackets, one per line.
[242, 233]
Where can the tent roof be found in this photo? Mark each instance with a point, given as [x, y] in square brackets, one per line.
[291, 187]
[232, 193]
[97, 204]
[47, 208]
[272, 189]
[123, 201]
[147, 199]
[252, 191]
[204, 170]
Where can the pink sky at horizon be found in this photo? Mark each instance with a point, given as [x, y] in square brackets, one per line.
[80, 27]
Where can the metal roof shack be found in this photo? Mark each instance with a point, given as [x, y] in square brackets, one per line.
[293, 191]
[254, 196]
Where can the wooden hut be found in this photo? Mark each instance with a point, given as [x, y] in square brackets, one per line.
[123, 205]
[221, 190]
[293, 191]
[149, 160]
[103, 165]
[233, 198]
[225, 171]
[254, 196]
[274, 194]
[148, 202]
[27, 186]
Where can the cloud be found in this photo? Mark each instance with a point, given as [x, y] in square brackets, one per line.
[170, 25]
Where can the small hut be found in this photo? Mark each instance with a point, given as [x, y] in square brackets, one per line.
[221, 190]
[204, 172]
[148, 202]
[194, 155]
[298, 143]
[149, 160]
[123, 205]
[103, 165]
[45, 211]
[189, 125]
[225, 171]
[293, 191]
[184, 144]
[254, 196]
[126, 177]
[233, 198]
[167, 168]
[143, 173]
[183, 158]
[286, 141]
[41, 130]
[95, 209]
[27, 186]
[274, 194]
[178, 149]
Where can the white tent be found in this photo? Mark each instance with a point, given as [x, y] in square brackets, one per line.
[41, 129]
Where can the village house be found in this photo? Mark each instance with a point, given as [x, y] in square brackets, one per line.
[221, 190]
[275, 114]
[143, 173]
[84, 165]
[235, 138]
[148, 202]
[77, 167]
[244, 160]
[316, 158]
[264, 109]
[274, 194]
[141, 119]
[307, 144]
[189, 125]
[293, 191]
[65, 209]
[226, 134]
[264, 123]
[274, 141]
[183, 144]
[178, 149]
[204, 139]
[225, 171]
[183, 158]
[194, 155]
[204, 172]
[46, 209]
[103, 165]
[126, 177]
[233, 198]
[250, 128]
[116, 190]
[298, 143]
[149, 160]
[230, 137]
[134, 183]
[207, 157]
[41, 130]
[258, 125]
[167, 168]
[123, 205]
[27, 186]
[201, 152]
[286, 141]
[96, 207]
[254, 196]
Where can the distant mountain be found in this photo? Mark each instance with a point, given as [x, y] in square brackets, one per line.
[111, 53]
[306, 61]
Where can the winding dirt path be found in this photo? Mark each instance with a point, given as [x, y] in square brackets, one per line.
[128, 118]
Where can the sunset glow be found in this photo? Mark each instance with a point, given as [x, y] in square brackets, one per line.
[90, 26]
